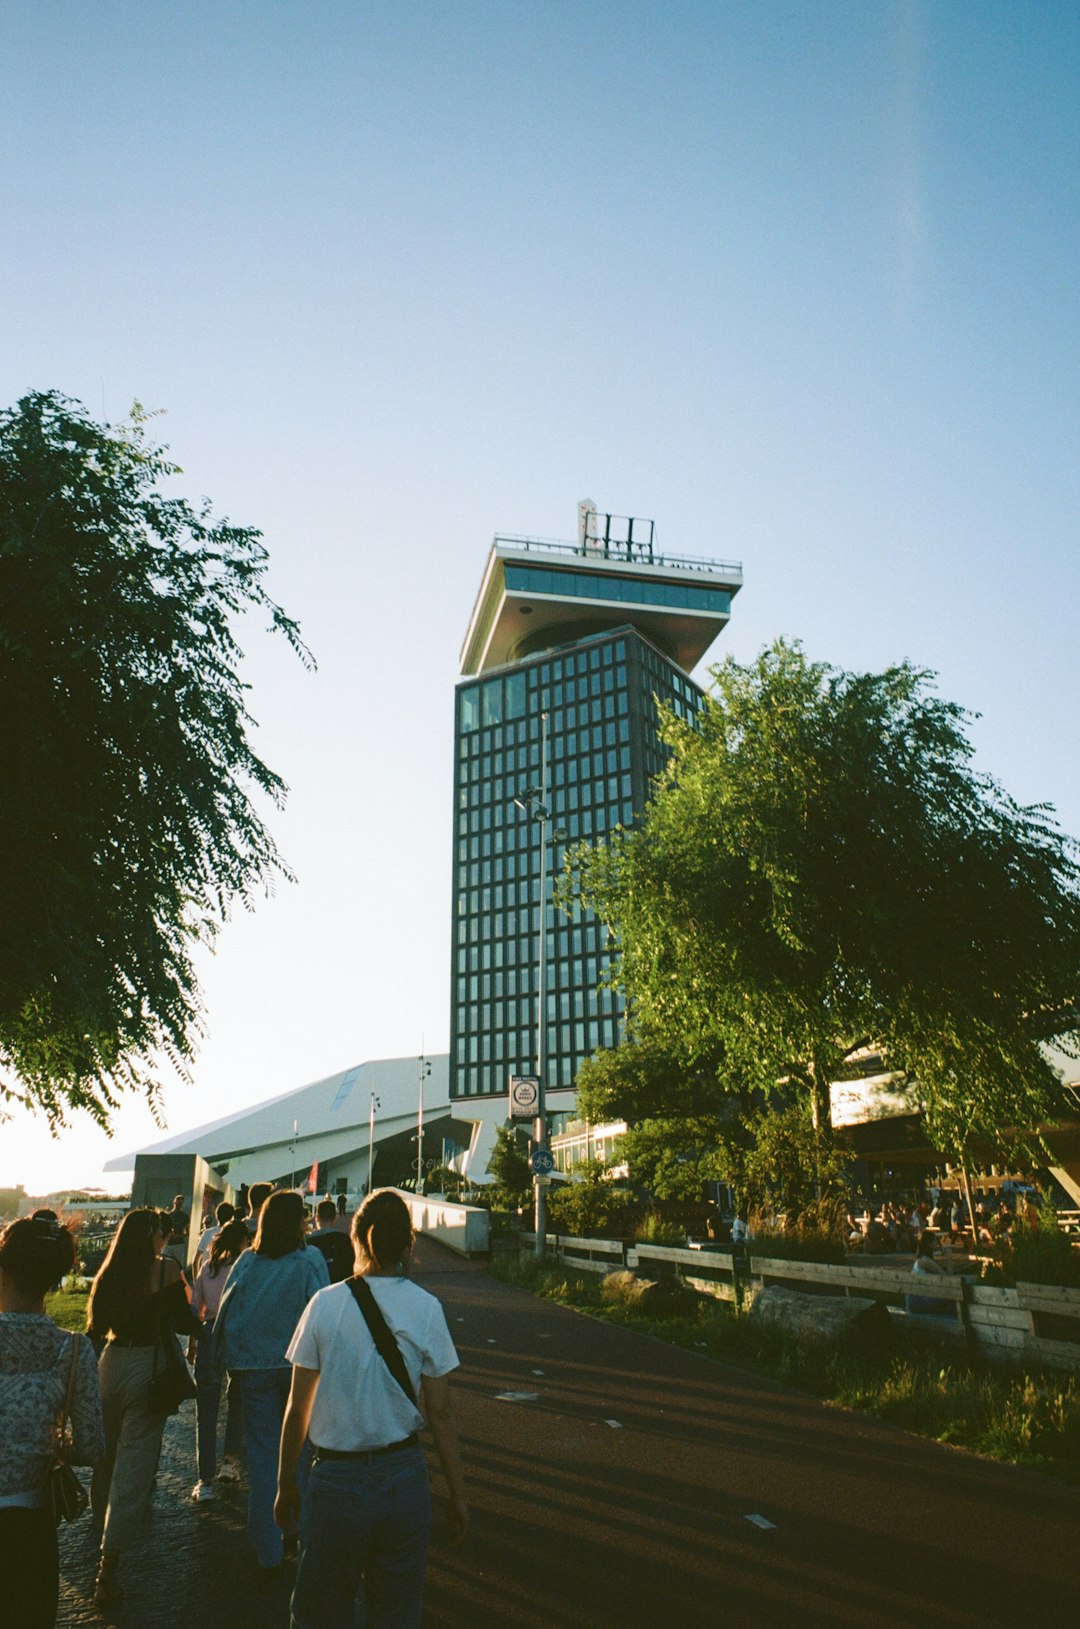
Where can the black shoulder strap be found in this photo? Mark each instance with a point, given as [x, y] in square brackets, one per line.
[385, 1344]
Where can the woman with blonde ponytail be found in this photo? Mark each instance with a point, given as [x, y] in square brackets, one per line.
[371, 1360]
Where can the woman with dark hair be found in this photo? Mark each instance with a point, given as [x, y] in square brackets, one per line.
[267, 1290]
[137, 1300]
[925, 1265]
[358, 1372]
[37, 1361]
[226, 1245]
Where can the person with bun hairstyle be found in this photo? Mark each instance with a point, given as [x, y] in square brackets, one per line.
[137, 1299]
[267, 1289]
[365, 1513]
[35, 1366]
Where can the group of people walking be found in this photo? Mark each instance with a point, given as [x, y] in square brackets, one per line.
[329, 1384]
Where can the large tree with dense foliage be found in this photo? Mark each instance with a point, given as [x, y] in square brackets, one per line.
[127, 775]
[822, 868]
[512, 1185]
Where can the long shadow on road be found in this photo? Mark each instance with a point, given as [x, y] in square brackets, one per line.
[619, 1490]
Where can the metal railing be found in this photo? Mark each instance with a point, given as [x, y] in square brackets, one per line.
[636, 553]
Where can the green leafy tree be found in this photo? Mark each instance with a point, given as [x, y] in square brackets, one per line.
[128, 825]
[792, 1168]
[674, 1158]
[687, 1118]
[513, 1185]
[821, 867]
[589, 1204]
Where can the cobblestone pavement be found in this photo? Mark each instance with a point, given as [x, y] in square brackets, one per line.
[192, 1567]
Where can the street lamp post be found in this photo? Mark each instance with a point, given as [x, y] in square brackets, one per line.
[425, 1070]
[375, 1104]
[533, 802]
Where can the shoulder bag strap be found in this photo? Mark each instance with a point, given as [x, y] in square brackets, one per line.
[385, 1344]
[159, 1343]
[65, 1412]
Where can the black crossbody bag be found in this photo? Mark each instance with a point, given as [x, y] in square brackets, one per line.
[385, 1344]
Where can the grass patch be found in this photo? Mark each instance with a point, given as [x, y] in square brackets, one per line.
[68, 1308]
[1021, 1417]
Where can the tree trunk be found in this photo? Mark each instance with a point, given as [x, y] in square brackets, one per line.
[820, 1099]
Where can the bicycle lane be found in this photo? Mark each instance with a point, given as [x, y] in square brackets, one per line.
[616, 1480]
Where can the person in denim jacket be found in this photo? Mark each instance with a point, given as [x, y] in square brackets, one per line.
[267, 1290]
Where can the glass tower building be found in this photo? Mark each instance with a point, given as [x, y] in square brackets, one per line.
[569, 649]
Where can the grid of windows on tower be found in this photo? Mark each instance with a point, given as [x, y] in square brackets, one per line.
[602, 753]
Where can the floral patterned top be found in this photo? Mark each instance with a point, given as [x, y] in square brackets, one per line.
[35, 1359]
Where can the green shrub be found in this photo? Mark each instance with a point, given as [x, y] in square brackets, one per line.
[1042, 1255]
[548, 1280]
[589, 1207]
[1041, 1258]
[806, 1240]
[653, 1229]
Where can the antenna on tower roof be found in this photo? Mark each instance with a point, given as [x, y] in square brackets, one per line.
[586, 509]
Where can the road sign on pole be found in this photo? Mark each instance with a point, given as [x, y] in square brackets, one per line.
[542, 1161]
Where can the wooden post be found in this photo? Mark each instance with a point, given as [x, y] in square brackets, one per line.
[971, 1207]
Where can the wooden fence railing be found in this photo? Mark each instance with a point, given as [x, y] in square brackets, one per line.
[1039, 1322]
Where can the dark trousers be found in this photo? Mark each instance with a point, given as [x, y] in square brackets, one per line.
[29, 1567]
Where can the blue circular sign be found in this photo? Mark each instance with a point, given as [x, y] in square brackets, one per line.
[542, 1161]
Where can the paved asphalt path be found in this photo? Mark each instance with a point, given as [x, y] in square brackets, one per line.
[618, 1497]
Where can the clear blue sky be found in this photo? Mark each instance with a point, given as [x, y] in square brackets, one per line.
[797, 281]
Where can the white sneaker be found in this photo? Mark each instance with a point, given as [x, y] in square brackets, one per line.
[230, 1469]
[203, 1492]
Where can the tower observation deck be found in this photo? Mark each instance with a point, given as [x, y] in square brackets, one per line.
[538, 594]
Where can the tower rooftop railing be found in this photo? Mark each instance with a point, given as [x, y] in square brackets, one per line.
[625, 550]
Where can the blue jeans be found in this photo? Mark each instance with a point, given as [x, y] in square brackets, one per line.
[370, 1520]
[29, 1567]
[209, 1375]
[265, 1393]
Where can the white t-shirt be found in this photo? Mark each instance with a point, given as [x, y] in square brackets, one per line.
[358, 1403]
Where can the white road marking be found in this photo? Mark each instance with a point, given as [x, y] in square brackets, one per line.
[760, 1521]
[538, 1371]
[517, 1396]
[616, 1425]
